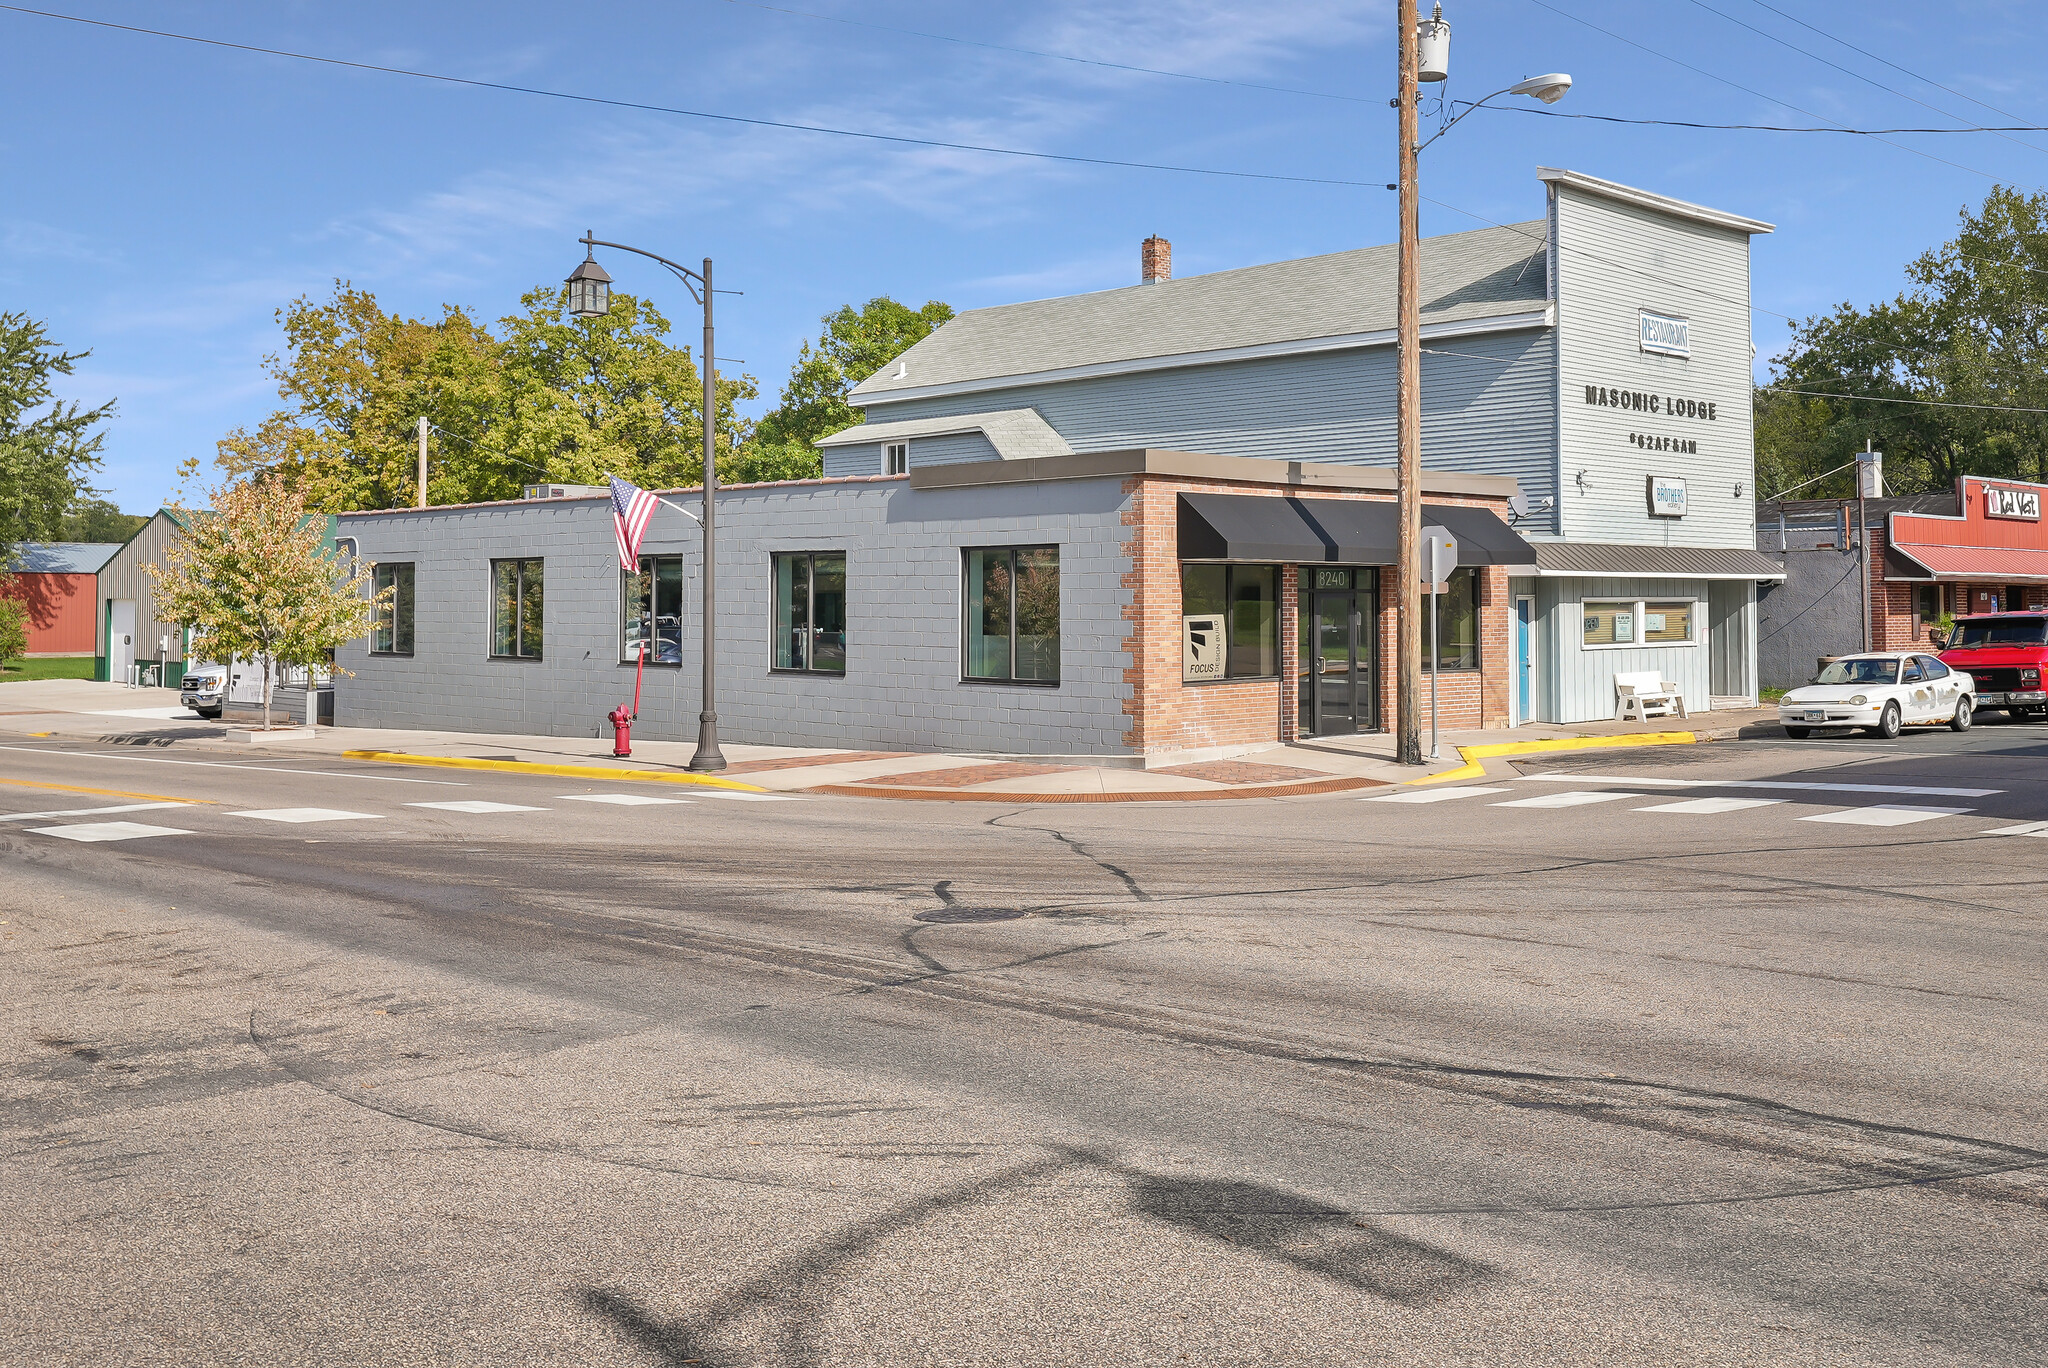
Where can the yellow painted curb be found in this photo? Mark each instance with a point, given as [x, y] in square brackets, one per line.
[562, 771]
[1473, 768]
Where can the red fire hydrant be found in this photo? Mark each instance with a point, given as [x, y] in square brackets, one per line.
[622, 727]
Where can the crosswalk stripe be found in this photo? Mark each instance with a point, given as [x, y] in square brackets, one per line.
[744, 797]
[1704, 807]
[307, 814]
[1434, 795]
[1886, 815]
[476, 805]
[2023, 829]
[621, 799]
[1789, 785]
[1573, 799]
[83, 812]
[106, 831]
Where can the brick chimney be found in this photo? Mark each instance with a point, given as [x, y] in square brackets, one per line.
[1155, 260]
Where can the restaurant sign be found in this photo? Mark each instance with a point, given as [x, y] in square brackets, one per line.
[1663, 334]
[2022, 505]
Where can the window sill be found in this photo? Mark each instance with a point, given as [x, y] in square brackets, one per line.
[806, 674]
[1230, 679]
[1637, 645]
[516, 660]
[1012, 683]
[390, 655]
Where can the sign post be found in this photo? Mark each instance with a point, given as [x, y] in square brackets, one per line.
[1439, 559]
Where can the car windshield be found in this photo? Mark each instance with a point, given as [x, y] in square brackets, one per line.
[1860, 672]
[2026, 631]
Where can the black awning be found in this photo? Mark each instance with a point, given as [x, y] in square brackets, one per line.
[1255, 527]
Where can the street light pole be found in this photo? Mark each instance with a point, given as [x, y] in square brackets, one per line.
[590, 297]
[1408, 414]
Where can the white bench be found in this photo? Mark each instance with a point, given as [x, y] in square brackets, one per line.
[1642, 695]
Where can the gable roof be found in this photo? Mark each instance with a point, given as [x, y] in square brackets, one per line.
[1016, 434]
[62, 558]
[1342, 299]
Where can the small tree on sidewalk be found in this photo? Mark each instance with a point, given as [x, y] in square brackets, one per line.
[254, 578]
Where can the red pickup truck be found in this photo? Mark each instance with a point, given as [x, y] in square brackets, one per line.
[2006, 653]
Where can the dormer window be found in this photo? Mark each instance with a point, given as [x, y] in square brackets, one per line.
[895, 458]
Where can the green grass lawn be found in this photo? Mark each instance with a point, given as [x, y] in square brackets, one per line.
[48, 667]
[1770, 695]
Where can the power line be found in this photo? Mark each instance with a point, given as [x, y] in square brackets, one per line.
[899, 139]
[1617, 265]
[1736, 85]
[1893, 65]
[1052, 56]
[1880, 399]
[1814, 56]
[1753, 128]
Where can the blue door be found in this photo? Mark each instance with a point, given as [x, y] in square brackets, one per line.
[1525, 663]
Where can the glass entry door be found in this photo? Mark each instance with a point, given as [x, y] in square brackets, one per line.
[1335, 671]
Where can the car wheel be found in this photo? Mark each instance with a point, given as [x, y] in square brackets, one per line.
[1798, 733]
[1887, 722]
[1961, 721]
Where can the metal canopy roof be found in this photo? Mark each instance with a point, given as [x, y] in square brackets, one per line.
[1631, 561]
[1253, 527]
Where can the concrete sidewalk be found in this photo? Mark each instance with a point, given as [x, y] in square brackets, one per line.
[152, 717]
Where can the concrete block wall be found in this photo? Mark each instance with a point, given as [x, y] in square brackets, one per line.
[902, 689]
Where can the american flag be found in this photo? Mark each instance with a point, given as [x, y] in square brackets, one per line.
[631, 508]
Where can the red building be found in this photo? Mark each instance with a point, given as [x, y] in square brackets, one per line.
[59, 582]
[1988, 555]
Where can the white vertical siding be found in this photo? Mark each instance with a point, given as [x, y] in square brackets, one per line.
[1614, 259]
[1583, 678]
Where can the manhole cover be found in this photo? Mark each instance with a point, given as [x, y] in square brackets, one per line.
[970, 914]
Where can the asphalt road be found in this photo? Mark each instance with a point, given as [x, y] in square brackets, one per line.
[1756, 1078]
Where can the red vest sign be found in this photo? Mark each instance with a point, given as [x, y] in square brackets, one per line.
[2022, 505]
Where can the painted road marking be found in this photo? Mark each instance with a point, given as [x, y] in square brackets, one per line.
[2023, 829]
[1708, 806]
[1886, 815]
[621, 799]
[1575, 799]
[1786, 784]
[83, 812]
[476, 805]
[250, 764]
[745, 797]
[1431, 795]
[308, 815]
[152, 714]
[106, 831]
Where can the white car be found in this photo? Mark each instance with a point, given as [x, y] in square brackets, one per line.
[1881, 692]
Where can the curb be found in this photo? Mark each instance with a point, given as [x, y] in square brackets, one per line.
[1167, 796]
[562, 771]
[1473, 768]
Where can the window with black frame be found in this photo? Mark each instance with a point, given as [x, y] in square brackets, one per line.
[1247, 598]
[517, 601]
[1457, 622]
[1011, 627]
[810, 611]
[391, 620]
[651, 611]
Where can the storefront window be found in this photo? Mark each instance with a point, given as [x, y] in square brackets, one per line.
[651, 611]
[516, 609]
[391, 630]
[1247, 598]
[1927, 604]
[1457, 621]
[810, 611]
[1641, 622]
[1012, 618]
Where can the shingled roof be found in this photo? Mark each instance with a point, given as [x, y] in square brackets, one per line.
[1490, 273]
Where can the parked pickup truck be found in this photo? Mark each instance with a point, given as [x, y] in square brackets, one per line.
[2006, 653]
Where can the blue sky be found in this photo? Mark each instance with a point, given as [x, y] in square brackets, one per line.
[164, 198]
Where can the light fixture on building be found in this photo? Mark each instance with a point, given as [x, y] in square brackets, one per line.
[590, 289]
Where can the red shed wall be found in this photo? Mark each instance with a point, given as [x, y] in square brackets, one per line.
[62, 612]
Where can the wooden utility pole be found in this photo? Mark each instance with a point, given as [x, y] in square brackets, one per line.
[1408, 417]
[423, 461]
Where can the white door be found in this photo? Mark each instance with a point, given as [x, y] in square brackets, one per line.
[1918, 703]
[1945, 689]
[121, 639]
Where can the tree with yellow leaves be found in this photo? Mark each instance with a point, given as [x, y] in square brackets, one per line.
[256, 577]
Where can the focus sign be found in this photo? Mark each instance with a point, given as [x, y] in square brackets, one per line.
[2021, 504]
[1201, 648]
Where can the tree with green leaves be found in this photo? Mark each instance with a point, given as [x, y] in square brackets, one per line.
[255, 577]
[99, 520]
[546, 397]
[855, 344]
[13, 622]
[1964, 346]
[47, 446]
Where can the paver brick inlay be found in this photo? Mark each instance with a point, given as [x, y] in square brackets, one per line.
[1241, 772]
[968, 775]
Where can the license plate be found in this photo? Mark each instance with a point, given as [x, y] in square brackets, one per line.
[1816, 715]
